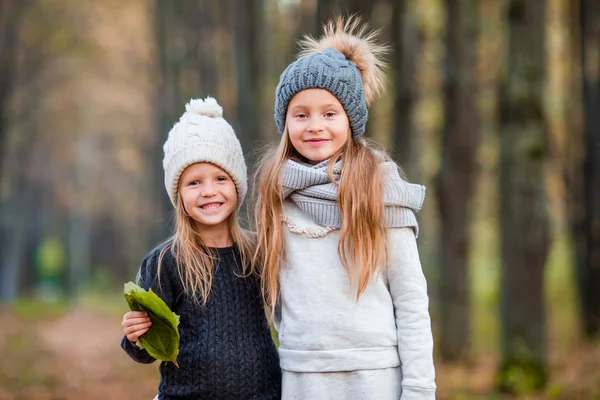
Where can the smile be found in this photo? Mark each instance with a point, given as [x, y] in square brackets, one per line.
[211, 206]
[315, 142]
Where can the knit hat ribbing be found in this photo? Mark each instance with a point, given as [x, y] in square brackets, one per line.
[202, 135]
[346, 61]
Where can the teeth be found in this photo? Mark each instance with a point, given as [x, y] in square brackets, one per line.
[211, 206]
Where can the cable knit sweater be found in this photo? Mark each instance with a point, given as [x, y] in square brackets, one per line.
[226, 351]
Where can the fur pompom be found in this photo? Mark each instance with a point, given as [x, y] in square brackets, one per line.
[352, 38]
[208, 107]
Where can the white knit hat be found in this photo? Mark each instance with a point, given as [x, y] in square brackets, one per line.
[202, 135]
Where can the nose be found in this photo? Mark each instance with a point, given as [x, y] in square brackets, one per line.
[315, 125]
[208, 190]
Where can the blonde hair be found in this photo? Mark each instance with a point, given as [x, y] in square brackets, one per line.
[362, 245]
[194, 258]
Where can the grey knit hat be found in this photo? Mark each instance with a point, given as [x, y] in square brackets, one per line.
[346, 61]
[202, 135]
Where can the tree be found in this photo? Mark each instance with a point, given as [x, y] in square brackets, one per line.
[523, 213]
[456, 179]
[328, 9]
[11, 14]
[586, 222]
[11, 232]
[248, 27]
[403, 39]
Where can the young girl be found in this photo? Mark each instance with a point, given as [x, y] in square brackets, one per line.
[337, 235]
[203, 272]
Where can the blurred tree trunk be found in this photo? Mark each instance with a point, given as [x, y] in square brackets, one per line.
[168, 109]
[328, 9]
[404, 40]
[22, 212]
[523, 200]
[11, 13]
[586, 223]
[11, 231]
[78, 233]
[203, 20]
[248, 29]
[457, 175]
[12, 248]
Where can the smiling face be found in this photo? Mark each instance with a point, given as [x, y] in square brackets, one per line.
[209, 196]
[317, 124]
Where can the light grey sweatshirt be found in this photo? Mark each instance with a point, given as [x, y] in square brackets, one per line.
[322, 328]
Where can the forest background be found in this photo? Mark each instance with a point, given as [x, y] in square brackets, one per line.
[494, 105]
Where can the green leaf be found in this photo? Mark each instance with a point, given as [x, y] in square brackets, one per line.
[161, 341]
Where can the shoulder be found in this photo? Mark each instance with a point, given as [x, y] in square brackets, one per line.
[158, 265]
[162, 253]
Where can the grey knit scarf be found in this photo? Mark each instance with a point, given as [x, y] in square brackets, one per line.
[313, 192]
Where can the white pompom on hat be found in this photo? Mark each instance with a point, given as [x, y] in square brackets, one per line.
[202, 135]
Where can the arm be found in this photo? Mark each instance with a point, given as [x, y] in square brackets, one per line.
[408, 289]
[136, 354]
[134, 323]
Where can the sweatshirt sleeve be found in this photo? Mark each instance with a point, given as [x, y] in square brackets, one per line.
[408, 289]
[148, 279]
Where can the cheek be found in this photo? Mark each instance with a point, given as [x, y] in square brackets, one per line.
[232, 192]
[185, 197]
[295, 137]
[343, 133]
[294, 130]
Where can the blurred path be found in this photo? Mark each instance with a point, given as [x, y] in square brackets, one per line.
[92, 365]
[75, 356]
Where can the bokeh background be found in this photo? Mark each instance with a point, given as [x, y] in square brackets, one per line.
[494, 105]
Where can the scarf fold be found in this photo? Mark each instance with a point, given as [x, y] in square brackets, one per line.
[310, 188]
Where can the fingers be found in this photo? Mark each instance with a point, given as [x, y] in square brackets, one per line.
[135, 314]
[135, 324]
[133, 337]
[134, 331]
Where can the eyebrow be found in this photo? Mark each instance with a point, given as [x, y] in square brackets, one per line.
[302, 106]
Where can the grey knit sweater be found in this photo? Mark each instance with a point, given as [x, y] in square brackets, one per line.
[323, 329]
[226, 350]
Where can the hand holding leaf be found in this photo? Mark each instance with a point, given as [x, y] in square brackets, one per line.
[161, 341]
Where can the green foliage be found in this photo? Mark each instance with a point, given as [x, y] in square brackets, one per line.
[162, 339]
[50, 258]
[30, 309]
[521, 375]
[554, 391]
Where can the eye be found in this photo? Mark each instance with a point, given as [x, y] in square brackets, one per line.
[330, 114]
[301, 116]
[194, 183]
[222, 179]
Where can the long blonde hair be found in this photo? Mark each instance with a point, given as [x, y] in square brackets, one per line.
[194, 258]
[362, 245]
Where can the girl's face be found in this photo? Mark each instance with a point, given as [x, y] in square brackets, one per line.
[317, 124]
[209, 196]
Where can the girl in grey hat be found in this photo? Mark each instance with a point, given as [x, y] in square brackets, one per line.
[337, 234]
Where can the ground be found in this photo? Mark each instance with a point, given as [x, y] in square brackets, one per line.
[75, 354]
